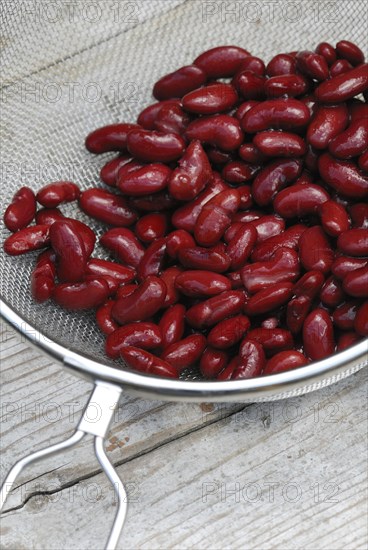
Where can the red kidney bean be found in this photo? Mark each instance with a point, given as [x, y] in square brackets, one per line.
[200, 283]
[144, 302]
[248, 216]
[109, 138]
[168, 276]
[327, 123]
[344, 265]
[211, 99]
[222, 61]
[235, 279]
[291, 85]
[363, 161]
[151, 146]
[53, 194]
[272, 340]
[352, 142]
[43, 277]
[178, 240]
[215, 217]
[361, 320]
[340, 66]
[343, 176]
[186, 352]
[124, 245]
[85, 232]
[21, 211]
[346, 340]
[285, 360]
[249, 363]
[215, 309]
[320, 256]
[246, 200]
[344, 315]
[245, 107]
[285, 239]
[192, 175]
[279, 114]
[250, 154]
[156, 202]
[327, 51]
[311, 160]
[299, 200]
[179, 83]
[82, 295]
[355, 283]
[268, 299]
[28, 239]
[204, 258]
[240, 246]
[141, 335]
[268, 226]
[228, 332]
[125, 290]
[296, 313]
[129, 167]
[109, 172]
[238, 172]
[309, 285]
[147, 118]
[359, 215]
[344, 86]
[103, 318]
[334, 218]
[280, 144]
[151, 227]
[216, 156]
[148, 179]
[282, 63]
[222, 131]
[249, 85]
[171, 119]
[350, 51]
[213, 361]
[283, 267]
[47, 216]
[144, 361]
[273, 178]
[110, 270]
[354, 242]
[152, 260]
[357, 109]
[313, 65]
[68, 245]
[106, 207]
[254, 64]
[318, 335]
[332, 294]
[172, 324]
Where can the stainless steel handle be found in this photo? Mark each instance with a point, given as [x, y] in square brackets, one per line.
[96, 420]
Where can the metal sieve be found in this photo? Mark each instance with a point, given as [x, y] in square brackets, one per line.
[69, 67]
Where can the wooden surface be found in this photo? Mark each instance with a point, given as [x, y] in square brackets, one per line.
[287, 474]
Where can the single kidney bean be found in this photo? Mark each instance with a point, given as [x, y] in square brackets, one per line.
[151, 227]
[111, 270]
[109, 138]
[144, 302]
[172, 324]
[215, 217]
[43, 277]
[344, 86]
[354, 242]
[141, 335]
[340, 66]
[147, 118]
[152, 260]
[148, 179]
[178, 240]
[363, 161]
[346, 340]
[311, 160]
[327, 51]
[309, 285]
[251, 360]
[107, 207]
[21, 211]
[103, 318]
[283, 267]
[250, 154]
[71, 257]
[129, 167]
[144, 361]
[320, 256]
[343, 176]
[172, 119]
[296, 313]
[327, 123]
[284, 239]
[213, 361]
[238, 172]
[313, 65]
[109, 172]
[361, 320]
[179, 82]
[355, 283]
[359, 215]
[200, 283]
[168, 276]
[204, 258]
[53, 194]
[254, 64]
[291, 85]
[332, 294]
[186, 352]
[282, 63]
[344, 315]
[279, 114]
[216, 156]
[334, 218]
[152, 146]
[82, 295]
[124, 244]
[299, 200]
[222, 61]
[47, 216]
[280, 144]
[228, 332]
[285, 360]
[249, 85]
[211, 99]
[268, 226]
[272, 340]
[192, 175]
[318, 335]
[155, 202]
[269, 299]
[222, 131]
[273, 178]
[27, 239]
[344, 265]
[350, 51]
[352, 142]
[241, 245]
[85, 232]
[227, 372]
[215, 309]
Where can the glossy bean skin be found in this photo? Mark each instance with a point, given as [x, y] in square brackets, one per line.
[334, 218]
[179, 82]
[56, 193]
[151, 227]
[172, 119]
[222, 61]
[104, 321]
[249, 85]
[254, 64]
[152, 260]
[313, 65]
[21, 211]
[343, 176]
[151, 178]
[178, 240]
[216, 156]
[344, 265]
[272, 178]
[278, 114]
[215, 217]
[250, 154]
[280, 144]
[87, 235]
[269, 299]
[327, 51]
[290, 85]
[71, 257]
[141, 335]
[124, 245]
[250, 361]
[43, 277]
[281, 64]
[239, 172]
[228, 332]
[211, 99]
[192, 175]
[283, 267]
[289, 238]
[144, 302]
[320, 256]
[344, 86]
[27, 239]
[144, 361]
[352, 142]
[109, 138]
[353, 242]
[299, 200]
[109, 172]
[200, 283]
[268, 226]
[241, 245]
[152, 146]
[106, 207]
[154, 202]
[110, 270]
[186, 352]
[350, 51]
[47, 216]
[318, 335]
[361, 320]
[168, 276]
[340, 66]
[285, 360]
[272, 340]
[327, 123]
[82, 295]
[359, 215]
[331, 293]
[296, 312]
[356, 283]
[204, 258]
[344, 315]
[213, 361]
[310, 284]
[147, 118]
[215, 309]
[172, 325]
[222, 131]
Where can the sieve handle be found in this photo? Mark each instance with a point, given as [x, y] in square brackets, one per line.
[96, 420]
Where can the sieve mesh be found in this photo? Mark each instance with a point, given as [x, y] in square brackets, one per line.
[69, 67]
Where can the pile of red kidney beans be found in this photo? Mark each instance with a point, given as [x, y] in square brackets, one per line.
[238, 218]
